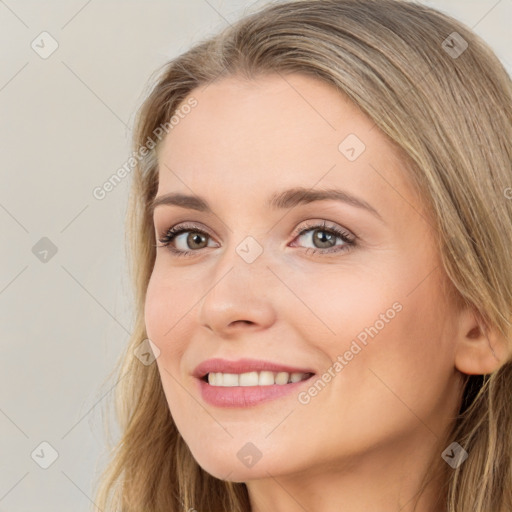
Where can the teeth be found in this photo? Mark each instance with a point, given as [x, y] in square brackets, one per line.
[282, 378]
[263, 378]
[266, 379]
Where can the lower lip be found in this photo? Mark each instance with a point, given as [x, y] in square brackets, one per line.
[246, 396]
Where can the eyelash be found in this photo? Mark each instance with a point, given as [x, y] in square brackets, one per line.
[167, 237]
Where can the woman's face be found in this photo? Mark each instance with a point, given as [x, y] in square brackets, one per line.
[359, 302]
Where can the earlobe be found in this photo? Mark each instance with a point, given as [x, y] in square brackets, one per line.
[479, 349]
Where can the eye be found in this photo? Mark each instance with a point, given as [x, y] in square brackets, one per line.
[323, 238]
[196, 239]
[185, 239]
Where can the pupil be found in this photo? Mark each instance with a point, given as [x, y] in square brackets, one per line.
[192, 238]
[322, 239]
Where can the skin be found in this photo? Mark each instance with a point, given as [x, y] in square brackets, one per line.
[365, 440]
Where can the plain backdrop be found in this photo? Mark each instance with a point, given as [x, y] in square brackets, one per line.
[65, 128]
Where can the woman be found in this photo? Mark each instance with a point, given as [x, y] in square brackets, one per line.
[321, 228]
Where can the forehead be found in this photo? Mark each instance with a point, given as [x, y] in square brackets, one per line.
[268, 115]
[276, 132]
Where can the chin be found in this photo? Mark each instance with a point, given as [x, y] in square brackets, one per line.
[232, 471]
[238, 461]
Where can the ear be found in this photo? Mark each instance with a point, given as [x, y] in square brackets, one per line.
[479, 350]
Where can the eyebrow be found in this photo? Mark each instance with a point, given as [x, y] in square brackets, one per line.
[280, 200]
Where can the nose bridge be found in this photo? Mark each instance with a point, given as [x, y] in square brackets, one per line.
[242, 261]
[239, 288]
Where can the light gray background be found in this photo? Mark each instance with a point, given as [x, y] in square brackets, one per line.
[65, 129]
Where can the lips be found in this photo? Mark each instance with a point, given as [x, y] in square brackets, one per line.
[219, 365]
[248, 382]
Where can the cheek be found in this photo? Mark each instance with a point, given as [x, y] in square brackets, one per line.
[168, 297]
[409, 361]
[164, 313]
[341, 305]
[391, 341]
[166, 327]
[156, 304]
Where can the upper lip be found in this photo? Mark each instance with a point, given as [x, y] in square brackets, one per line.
[243, 366]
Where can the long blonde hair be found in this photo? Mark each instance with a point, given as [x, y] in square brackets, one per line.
[448, 108]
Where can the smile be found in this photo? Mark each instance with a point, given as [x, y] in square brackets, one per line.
[262, 378]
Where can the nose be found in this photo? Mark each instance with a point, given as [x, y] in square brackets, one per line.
[239, 297]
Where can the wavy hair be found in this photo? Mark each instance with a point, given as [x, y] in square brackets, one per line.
[448, 109]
